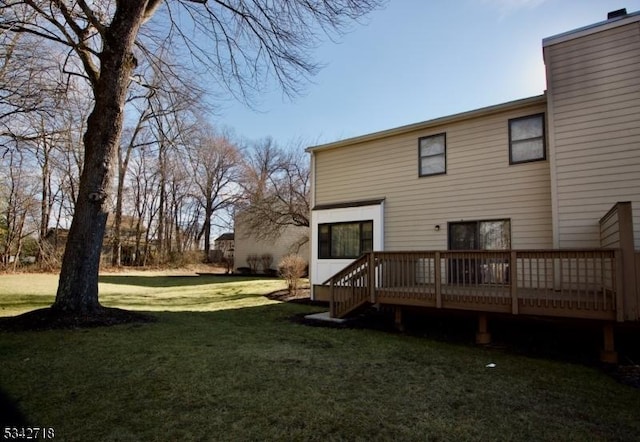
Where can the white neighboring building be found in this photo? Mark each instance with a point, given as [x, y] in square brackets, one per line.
[292, 240]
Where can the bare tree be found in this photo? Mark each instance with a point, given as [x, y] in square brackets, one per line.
[162, 104]
[245, 40]
[43, 151]
[213, 160]
[144, 183]
[276, 186]
[20, 205]
[179, 203]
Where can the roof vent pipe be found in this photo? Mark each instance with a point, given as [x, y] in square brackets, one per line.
[615, 14]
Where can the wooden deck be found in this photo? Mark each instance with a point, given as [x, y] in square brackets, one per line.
[596, 284]
[559, 283]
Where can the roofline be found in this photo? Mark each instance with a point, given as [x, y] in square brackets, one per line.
[592, 29]
[538, 99]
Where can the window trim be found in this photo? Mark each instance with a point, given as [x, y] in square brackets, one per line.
[360, 238]
[420, 157]
[543, 137]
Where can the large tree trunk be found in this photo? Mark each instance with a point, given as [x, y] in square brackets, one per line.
[78, 285]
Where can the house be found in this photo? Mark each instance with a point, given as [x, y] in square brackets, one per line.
[223, 247]
[251, 246]
[528, 207]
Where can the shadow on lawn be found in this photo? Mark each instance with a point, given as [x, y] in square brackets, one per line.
[171, 281]
[566, 341]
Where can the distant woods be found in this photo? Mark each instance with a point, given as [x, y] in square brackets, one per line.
[171, 195]
[179, 181]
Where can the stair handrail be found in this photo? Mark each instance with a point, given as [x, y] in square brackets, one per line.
[347, 269]
[353, 271]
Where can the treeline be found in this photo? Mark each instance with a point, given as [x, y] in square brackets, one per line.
[178, 181]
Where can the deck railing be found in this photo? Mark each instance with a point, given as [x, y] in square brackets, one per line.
[572, 283]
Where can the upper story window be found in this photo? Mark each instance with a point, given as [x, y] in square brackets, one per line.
[527, 139]
[345, 240]
[432, 151]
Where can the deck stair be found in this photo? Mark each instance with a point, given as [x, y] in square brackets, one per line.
[351, 287]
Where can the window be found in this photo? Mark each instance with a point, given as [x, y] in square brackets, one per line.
[526, 139]
[345, 240]
[432, 151]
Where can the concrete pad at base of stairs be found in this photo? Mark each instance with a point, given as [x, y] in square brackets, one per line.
[325, 317]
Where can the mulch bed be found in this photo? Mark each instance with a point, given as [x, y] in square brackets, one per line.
[301, 297]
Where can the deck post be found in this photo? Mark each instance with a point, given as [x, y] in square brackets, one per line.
[608, 353]
[513, 280]
[332, 308]
[627, 249]
[620, 288]
[483, 336]
[372, 277]
[437, 279]
[398, 318]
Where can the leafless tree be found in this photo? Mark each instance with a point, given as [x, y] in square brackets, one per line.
[239, 42]
[176, 106]
[44, 151]
[178, 183]
[164, 107]
[19, 196]
[276, 185]
[213, 160]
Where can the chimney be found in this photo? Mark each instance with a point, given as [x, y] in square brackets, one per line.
[615, 14]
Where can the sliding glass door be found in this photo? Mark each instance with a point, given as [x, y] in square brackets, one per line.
[478, 235]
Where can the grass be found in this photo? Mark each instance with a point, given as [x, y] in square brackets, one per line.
[241, 370]
[147, 291]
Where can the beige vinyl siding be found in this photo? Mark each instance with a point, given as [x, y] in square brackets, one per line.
[594, 105]
[479, 183]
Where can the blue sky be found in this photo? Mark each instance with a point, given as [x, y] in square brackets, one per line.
[416, 60]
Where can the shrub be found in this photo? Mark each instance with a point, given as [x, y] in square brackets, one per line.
[292, 268]
[252, 261]
[266, 261]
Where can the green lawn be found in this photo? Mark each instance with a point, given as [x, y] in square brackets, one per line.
[147, 291]
[225, 363]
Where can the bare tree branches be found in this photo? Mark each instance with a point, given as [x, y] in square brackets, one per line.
[275, 189]
[242, 43]
[213, 160]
